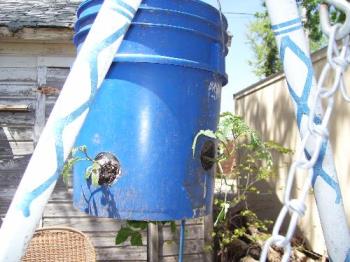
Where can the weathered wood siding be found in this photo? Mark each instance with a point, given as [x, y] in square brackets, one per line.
[34, 81]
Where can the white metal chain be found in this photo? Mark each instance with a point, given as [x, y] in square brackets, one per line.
[338, 61]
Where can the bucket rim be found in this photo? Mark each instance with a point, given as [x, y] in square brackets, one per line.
[220, 14]
[218, 26]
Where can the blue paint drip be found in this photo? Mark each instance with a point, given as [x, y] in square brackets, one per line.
[285, 24]
[295, 28]
[29, 198]
[304, 110]
[62, 123]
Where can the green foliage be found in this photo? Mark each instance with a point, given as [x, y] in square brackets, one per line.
[243, 160]
[72, 160]
[80, 154]
[67, 169]
[262, 41]
[312, 23]
[131, 230]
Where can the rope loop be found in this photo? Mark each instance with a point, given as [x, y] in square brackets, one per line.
[297, 206]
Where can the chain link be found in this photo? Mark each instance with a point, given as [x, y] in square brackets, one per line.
[317, 134]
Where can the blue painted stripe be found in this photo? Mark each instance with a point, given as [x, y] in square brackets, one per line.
[123, 13]
[61, 124]
[126, 6]
[288, 30]
[303, 110]
[285, 24]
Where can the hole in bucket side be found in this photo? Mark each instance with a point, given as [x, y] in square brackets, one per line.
[110, 170]
[208, 153]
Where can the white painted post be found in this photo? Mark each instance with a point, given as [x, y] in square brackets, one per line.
[298, 69]
[63, 126]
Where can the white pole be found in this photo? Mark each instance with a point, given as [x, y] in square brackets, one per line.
[298, 69]
[63, 126]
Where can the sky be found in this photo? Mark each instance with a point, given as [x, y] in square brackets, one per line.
[239, 72]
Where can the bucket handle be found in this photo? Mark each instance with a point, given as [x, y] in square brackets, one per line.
[222, 25]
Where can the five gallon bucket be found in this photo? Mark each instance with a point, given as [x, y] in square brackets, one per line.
[162, 89]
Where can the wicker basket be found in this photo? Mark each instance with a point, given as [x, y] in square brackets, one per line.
[59, 244]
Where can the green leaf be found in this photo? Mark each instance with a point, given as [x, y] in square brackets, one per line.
[123, 235]
[222, 214]
[138, 224]
[279, 148]
[67, 169]
[83, 148]
[136, 239]
[94, 179]
[208, 133]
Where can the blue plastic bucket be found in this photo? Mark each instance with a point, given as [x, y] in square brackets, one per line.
[162, 89]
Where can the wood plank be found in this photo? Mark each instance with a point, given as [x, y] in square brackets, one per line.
[61, 194]
[121, 253]
[192, 232]
[196, 221]
[107, 239]
[17, 61]
[56, 76]
[44, 48]
[6, 193]
[13, 163]
[57, 73]
[187, 258]
[58, 35]
[16, 119]
[9, 179]
[172, 248]
[56, 61]
[85, 224]
[50, 103]
[18, 101]
[17, 89]
[16, 108]
[63, 210]
[92, 224]
[18, 74]
[13, 133]
[4, 205]
[16, 148]
[63, 207]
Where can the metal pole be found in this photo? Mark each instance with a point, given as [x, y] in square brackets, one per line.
[66, 119]
[299, 73]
